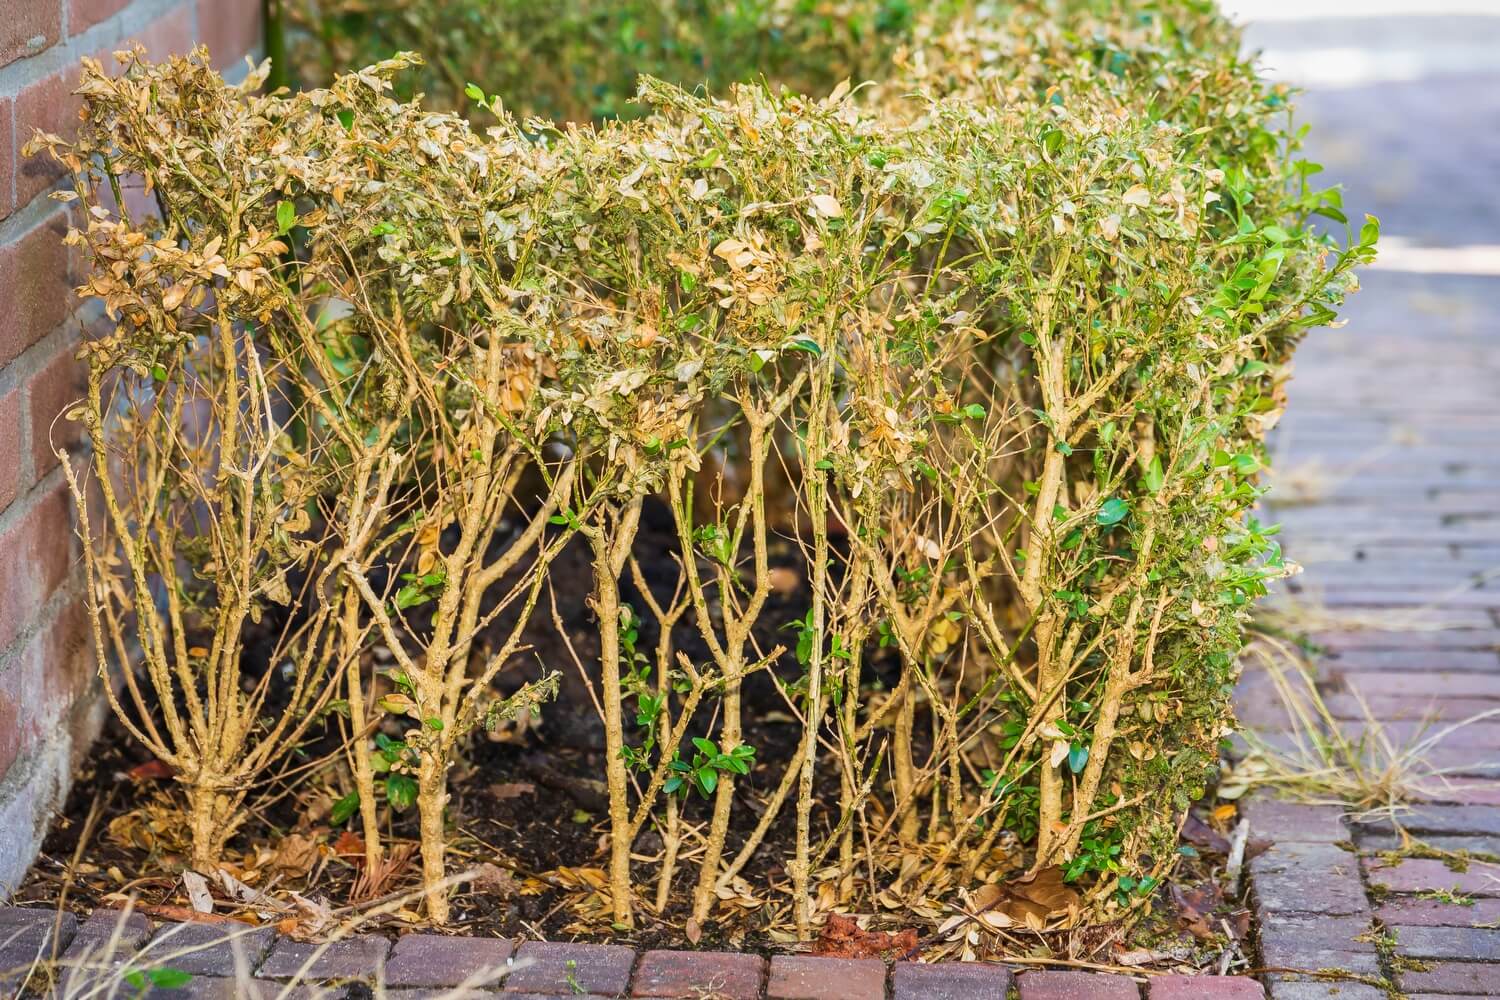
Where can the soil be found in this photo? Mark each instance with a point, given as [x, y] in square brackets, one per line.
[527, 804]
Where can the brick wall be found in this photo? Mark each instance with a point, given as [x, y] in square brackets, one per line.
[49, 704]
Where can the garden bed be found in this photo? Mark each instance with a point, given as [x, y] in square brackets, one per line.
[717, 526]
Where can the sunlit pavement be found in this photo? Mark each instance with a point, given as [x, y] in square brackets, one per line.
[1389, 490]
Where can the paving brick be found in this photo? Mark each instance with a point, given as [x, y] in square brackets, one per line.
[103, 947]
[1425, 682]
[209, 949]
[109, 930]
[1294, 822]
[1401, 707]
[699, 973]
[1315, 963]
[1050, 985]
[563, 969]
[1308, 878]
[804, 977]
[33, 927]
[1455, 660]
[1412, 875]
[949, 981]
[1286, 933]
[228, 988]
[1468, 944]
[1485, 639]
[1326, 991]
[1451, 977]
[1461, 791]
[1409, 911]
[1204, 988]
[29, 27]
[359, 957]
[1446, 819]
[434, 960]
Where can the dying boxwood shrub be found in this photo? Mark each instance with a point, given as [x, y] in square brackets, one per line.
[995, 343]
[575, 60]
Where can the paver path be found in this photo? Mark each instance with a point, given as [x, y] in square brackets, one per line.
[1390, 459]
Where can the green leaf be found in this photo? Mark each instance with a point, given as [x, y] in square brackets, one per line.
[343, 809]
[1154, 474]
[473, 93]
[169, 979]
[400, 792]
[1369, 233]
[1077, 757]
[803, 344]
[286, 217]
[974, 411]
[1112, 511]
[706, 746]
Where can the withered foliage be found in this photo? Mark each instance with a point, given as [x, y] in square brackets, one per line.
[994, 343]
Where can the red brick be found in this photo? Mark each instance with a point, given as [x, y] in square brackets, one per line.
[1337, 989]
[1465, 944]
[169, 35]
[950, 981]
[35, 288]
[127, 930]
[11, 472]
[212, 949]
[804, 977]
[14, 720]
[1414, 875]
[52, 391]
[1288, 822]
[7, 157]
[36, 553]
[1412, 912]
[1424, 683]
[434, 960]
[49, 105]
[698, 974]
[28, 27]
[83, 14]
[1204, 988]
[67, 663]
[230, 29]
[357, 957]
[1478, 820]
[1049, 985]
[553, 967]
[1451, 977]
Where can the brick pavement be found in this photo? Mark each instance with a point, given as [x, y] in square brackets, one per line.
[1390, 498]
[240, 961]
